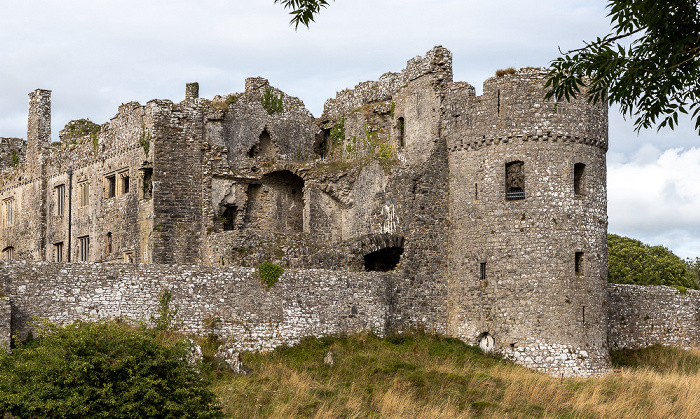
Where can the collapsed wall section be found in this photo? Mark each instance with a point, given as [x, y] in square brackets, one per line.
[229, 302]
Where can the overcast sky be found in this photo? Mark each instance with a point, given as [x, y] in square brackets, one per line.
[95, 55]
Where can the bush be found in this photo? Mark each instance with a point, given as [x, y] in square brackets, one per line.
[105, 370]
[269, 273]
[632, 262]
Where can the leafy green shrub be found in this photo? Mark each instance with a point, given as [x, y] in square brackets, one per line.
[106, 370]
[269, 273]
[632, 262]
[165, 316]
[15, 158]
[271, 103]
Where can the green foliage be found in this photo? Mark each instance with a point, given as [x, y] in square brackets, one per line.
[633, 262]
[271, 103]
[337, 135]
[145, 139]
[15, 158]
[391, 109]
[648, 64]
[269, 273]
[302, 11]
[102, 370]
[165, 315]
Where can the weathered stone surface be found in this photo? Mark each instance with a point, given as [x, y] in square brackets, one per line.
[488, 214]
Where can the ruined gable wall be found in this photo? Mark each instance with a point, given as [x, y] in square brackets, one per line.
[302, 303]
[641, 316]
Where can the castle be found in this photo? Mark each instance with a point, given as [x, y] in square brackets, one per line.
[411, 202]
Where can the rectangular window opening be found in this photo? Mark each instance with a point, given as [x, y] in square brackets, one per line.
[146, 190]
[124, 182]
[515, 181]
[9, 207]
[9, 253]
[84, 193]
[110, 186]
[578, 268]
[84, 248]
[482, 271]
[60, 199]
[583, 314]
[58, 252]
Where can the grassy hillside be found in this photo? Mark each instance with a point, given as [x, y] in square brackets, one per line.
[425, 376]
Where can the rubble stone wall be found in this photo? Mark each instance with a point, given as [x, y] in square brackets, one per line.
[641, 316]
[230, 302]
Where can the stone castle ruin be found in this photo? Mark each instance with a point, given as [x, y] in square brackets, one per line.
[410, 203]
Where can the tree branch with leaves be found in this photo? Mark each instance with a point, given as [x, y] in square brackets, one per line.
[302, 11]
[648, 64]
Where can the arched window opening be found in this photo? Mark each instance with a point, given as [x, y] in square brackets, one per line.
[8, 253]
[515, 181]
[401, 125]
[108, 245]
[579, 177]
[383, 260]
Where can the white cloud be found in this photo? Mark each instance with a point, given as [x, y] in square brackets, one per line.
[95, 55]
[656, 198]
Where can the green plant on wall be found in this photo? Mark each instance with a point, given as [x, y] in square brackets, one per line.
[95, 141]
[338, 132]
[269, 273]
[145, 139]
[271, 103]
[15, 158]
[165, 315]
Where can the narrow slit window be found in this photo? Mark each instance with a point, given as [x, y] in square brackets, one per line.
[108, 243]
[476, 191]
[515, 181]
[583, 314]
[578, 264]
[401, 125]
[579, 177]
[58, 252]
[482, 271]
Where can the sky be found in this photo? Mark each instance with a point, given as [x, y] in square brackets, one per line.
[96, 55]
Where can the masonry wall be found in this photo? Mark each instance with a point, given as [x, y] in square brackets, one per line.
[641, 316]
[5, 323]
[302, 303]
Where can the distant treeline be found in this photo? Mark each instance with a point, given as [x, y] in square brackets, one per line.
[632, 262]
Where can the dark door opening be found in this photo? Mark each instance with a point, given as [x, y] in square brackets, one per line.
[383, 260]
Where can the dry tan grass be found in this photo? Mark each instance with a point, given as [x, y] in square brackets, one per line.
[374, 379]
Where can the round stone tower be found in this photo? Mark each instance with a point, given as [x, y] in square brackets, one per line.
[527, 257]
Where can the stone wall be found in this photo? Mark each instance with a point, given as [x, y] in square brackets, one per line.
[641, 316]
[5, 323]
[230, 302]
